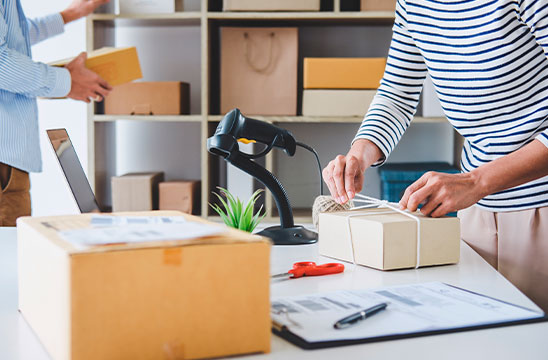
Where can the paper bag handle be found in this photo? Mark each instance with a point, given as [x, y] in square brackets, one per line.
[259, 69]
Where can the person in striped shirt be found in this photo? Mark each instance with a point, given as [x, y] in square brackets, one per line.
[488, 60]
[21, 81]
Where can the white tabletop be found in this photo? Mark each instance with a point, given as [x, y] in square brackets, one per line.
[17, 341]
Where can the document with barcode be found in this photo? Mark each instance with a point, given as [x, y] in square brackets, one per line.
[411, 309]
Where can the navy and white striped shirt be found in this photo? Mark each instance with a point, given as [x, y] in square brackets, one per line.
[488, 60]
[22, 80]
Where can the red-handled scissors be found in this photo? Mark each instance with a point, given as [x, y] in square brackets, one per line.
[308, 268]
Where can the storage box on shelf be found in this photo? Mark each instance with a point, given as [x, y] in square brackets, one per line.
[136, 191]
[269, 5]
[149, 98]
[378, 5]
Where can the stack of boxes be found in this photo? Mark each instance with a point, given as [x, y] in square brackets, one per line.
[340, 86]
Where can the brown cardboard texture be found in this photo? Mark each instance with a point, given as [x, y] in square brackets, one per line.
[378, 5]
[115, 65]
[149, 98]
[268, 5]
[183, 196]
[388, 241]
[136, 191]
[184, 299]
[343, 73]
[337, 102]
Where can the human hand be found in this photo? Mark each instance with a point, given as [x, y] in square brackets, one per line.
[442, 193]
[86, 85]
[344, 175]
[80, 8]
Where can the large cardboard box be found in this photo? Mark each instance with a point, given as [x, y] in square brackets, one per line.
[183, 196]
[136, 191]
[269, 5]
[259, 70]
[184, 299]
[386, 240]
[343, 73]
[337, 102]
[149, 98]
[115, 65]
[378, 5]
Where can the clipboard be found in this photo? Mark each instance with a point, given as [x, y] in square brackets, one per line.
[285, 331]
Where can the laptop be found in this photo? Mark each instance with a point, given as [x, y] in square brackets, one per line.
[74, 173]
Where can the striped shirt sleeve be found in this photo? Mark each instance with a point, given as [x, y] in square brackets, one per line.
[534, 14]
[45, 27]
[397, 97]
[20, 75]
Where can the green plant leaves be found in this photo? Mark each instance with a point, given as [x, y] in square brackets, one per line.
[235, 214]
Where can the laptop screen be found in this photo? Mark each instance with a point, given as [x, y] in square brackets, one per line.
[72, 168]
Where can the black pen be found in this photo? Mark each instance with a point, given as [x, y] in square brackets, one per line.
[362, 315]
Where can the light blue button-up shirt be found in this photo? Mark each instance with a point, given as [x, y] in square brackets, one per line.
[22, 80]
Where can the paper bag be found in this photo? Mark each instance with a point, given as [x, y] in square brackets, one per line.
[259, 70]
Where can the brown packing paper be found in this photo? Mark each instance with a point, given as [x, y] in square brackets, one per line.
[259, 70]
[183, 299]
[149, 98]
[388, 241]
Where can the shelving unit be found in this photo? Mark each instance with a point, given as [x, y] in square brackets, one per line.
[100, 29]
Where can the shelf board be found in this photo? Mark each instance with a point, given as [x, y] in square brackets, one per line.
[219, 15]
[325, 119]
[155, 118]
[316, 15]
[169, 16]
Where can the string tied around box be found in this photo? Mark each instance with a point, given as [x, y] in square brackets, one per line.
[371, 202]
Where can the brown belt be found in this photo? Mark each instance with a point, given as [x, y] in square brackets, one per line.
[5, 172]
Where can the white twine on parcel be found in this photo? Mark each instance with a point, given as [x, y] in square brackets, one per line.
[371, 202]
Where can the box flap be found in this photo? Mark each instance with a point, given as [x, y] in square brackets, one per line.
[50, 227]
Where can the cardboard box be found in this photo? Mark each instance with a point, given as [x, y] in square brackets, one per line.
[149, 98]
[269, 5]
[378, 5]
[136, 191]
[343, 73]
[183, 196]
[337, 102]
[148, 6]
[388, 240]
[183, 299]
[115, 65]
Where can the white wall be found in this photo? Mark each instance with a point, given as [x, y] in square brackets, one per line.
[49, 191]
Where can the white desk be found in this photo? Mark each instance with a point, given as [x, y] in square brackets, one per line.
[17, 340]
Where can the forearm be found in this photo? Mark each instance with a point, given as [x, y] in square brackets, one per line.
[524, 165]
[366, 152]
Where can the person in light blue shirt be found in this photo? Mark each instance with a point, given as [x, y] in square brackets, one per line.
[22, 80]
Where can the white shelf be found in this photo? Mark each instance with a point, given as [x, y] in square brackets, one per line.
[325, 119]
[155, 118]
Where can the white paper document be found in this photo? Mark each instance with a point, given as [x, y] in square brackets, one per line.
[107, 230]
[411, 309]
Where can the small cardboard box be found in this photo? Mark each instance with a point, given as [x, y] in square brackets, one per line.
[343, 73]
[115, 65]
[149, 98]
[378, 5]
[136, 191]
[269, 5]
[183, 196]
[337, 102]
[149, 6]
[184, 299]
[387, 240]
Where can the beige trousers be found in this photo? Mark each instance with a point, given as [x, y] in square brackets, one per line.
[514, 243]
[14, 195]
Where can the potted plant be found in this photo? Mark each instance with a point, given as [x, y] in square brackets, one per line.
[237, 215]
